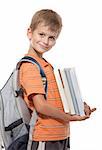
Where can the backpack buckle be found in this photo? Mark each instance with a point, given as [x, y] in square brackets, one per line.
[16, 93]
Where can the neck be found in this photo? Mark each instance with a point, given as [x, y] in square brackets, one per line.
[35, 52]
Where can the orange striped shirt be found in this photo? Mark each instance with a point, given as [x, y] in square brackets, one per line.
[46, 129]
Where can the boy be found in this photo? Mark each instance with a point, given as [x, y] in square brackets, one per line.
[52, 130]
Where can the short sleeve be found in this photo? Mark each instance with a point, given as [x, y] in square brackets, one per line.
[30, 79]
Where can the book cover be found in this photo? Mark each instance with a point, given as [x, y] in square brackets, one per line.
[67, 72]
[67, 91]
[61, 90]
[77, 91]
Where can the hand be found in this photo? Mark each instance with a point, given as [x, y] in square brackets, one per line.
[88, 110]
[78, 117]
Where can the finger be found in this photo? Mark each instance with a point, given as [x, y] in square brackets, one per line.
[87, 111]
[83, 117]
[79, 118]
[93, 109]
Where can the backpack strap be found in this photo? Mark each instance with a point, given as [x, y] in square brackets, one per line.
[33, 61]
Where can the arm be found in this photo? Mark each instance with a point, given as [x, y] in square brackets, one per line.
[42, 107]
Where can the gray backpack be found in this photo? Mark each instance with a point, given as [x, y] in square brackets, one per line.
[16, 123]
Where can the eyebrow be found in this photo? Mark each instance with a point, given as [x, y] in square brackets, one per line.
[42, 32]
[52, 36]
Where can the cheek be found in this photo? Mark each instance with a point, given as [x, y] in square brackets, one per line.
[34, 40]
[52, 43]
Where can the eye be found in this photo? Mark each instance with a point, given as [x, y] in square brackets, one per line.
[42, 34]
[52, 38]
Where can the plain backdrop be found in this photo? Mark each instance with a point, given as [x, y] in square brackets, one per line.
[79, 46]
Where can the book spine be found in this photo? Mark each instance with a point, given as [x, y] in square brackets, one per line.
[77, 91]
[61, 91]
[67, 92]
[72, 91]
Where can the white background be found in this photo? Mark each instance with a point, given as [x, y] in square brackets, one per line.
[79, 46]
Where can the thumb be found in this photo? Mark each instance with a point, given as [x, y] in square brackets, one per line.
[93, 109]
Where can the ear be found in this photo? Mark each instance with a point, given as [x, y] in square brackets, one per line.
[29, 33]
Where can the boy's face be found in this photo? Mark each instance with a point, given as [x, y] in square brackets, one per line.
[42, 38]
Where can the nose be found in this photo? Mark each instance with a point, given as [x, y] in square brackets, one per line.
[46, 40]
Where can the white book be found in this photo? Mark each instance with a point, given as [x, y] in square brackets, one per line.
[61, 91]
[67, 72]
[77, 91]
[67, 92]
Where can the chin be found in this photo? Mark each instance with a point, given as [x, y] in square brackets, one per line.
[43, 50]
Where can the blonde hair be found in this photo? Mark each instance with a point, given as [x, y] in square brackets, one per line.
[49, 18]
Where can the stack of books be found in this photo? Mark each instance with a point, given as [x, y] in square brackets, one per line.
[69, 91]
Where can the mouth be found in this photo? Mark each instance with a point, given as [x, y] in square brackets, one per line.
[44, 46]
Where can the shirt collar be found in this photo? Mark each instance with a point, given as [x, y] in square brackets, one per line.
[42, 61]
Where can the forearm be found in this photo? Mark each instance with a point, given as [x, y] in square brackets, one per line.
[62, 116]
[55, 113]
[43, 107]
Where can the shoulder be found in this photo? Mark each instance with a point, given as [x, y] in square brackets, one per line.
[29, 67]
